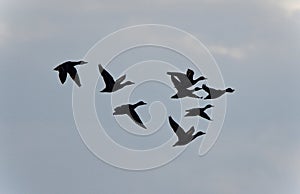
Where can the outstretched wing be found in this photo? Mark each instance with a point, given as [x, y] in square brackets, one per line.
[120, 79]
[191, 131]
[205, 88]
[175, 74]
[176, 128]
[135, 117]
[205, 116]
[214, 93]
[74, 75]
[108, 79]
[183, 80]
[190, 74]
[62, 75]
[177, 84]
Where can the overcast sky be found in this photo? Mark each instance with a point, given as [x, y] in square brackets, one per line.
[256, 45]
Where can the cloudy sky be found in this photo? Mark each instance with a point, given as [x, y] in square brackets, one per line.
[256, 45]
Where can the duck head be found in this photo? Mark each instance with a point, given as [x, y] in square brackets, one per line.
[208, 106]
[142, 102]
[197, 89]
[230, 90]
[83, 62]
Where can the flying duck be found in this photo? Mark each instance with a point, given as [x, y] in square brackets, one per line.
[214, 93]
[199, 112]
[182, 91]
[183, 137]
[129, 109]
[68, 67]
[187, 80]
[110, 84]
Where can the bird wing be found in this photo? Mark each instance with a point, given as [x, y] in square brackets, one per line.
[176, 128]
[191, 131]
[214, 93]
[190, 74]
[120, 79]
[135, 117]
[62, 75]
[72, 71]
[77, 80]
[74, 75]
[175, 74]
[108, 79]
[210, 90]
[177, 84]
[205, 116]
[205, 88]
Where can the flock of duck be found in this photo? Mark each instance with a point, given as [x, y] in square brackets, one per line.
[183, 83]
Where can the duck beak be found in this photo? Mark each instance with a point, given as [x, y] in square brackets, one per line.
[114, 113]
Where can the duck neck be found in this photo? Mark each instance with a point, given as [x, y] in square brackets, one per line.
[198, 79]
[229, 90]
[138, 104]
[206, 107]
[199, 133]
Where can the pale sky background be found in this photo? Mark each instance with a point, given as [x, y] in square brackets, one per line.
[256, 44]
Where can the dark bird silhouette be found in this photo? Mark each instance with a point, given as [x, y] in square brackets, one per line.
[199, 112]
[214, 93]
[110, 84]
[129, 109]
[183, 137]
[69, 68]
[187, 79]
[183, 91]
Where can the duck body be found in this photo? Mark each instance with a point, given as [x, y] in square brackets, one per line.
[182, 91]
[199, 112]
[187, 79]
[110, 84]
[215, 93]
[129, 109]
[68, 67]
[184, 138]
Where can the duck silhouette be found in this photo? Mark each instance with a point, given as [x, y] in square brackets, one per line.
[129, 109]
[199, 112]
[183, 137]
[68, 67]
[215, 93]
[183, 91]
[187, 79]
[110, 84]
